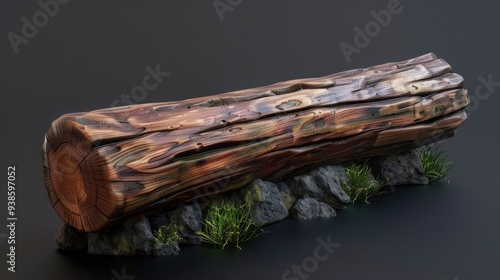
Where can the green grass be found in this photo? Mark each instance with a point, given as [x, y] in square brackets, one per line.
[229, 223]
[435, 162]
[167, 234]
[360, 184]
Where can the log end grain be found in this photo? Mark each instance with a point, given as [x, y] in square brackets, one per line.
[76, 183]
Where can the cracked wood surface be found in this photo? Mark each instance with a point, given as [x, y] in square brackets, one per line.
[103, 166]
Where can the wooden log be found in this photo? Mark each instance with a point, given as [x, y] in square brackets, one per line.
[103, 166]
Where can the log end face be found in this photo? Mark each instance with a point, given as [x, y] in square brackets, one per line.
[70, 180]
[66, 177]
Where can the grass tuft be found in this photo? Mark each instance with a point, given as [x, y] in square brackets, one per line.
[360, 183]
[229, 223]
[167, 234]
[435, 162]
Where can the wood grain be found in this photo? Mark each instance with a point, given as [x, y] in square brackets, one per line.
[103, 166]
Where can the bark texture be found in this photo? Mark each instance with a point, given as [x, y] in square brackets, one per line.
[103, 166]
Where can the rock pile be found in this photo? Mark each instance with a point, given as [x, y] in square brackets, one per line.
[313, 195]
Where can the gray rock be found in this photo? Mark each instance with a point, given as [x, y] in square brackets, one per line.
[286, 194]
[158, 220]
[188, 220]
[70, 238]
[304, 186]
[326, 211]
[162, 249]
[400, 169]
[329, 178]
[266, 204]
[309, 208]
[133, 237]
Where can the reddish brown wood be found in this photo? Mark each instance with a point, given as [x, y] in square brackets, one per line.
[105, 165]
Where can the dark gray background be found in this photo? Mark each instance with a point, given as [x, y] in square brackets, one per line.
[91, 52]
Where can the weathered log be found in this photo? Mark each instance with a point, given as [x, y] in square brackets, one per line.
[105, 165]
